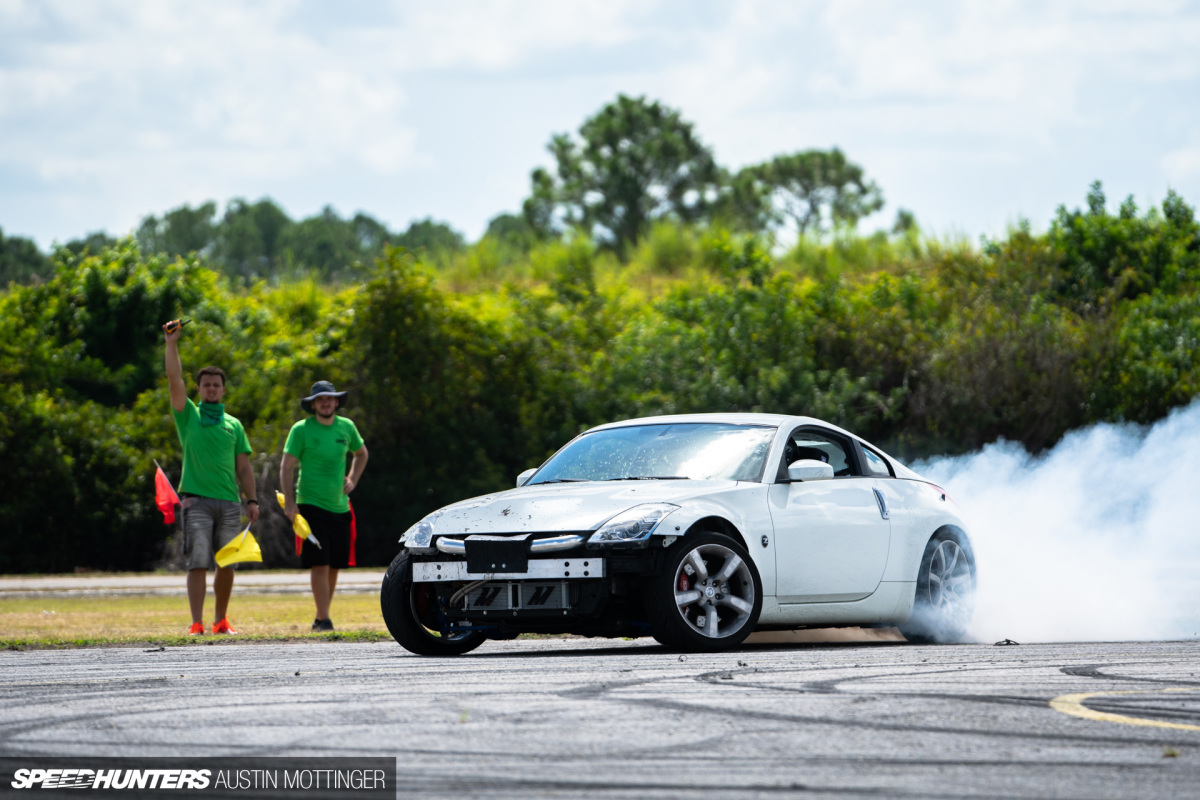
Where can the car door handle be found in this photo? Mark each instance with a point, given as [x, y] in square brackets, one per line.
[883, 509]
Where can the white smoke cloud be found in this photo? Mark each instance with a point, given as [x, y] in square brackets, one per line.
[1096, 540]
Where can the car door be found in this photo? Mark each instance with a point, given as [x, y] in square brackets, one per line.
[831, 536]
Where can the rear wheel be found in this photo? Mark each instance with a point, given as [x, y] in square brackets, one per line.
[413, 616]
[945, 600]
[708, 596]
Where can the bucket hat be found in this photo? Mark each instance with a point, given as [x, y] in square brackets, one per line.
[322, 389]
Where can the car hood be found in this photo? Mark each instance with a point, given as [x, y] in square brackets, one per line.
[564, 506]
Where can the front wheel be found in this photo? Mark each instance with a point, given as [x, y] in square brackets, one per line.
[413, 617]
[945, 600]
[708, 596]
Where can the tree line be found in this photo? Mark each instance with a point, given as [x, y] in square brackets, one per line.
[466, 367]
[248, 242]
[633, 164]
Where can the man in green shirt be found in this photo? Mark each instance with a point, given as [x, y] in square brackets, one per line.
[215, 463]
[319, 446]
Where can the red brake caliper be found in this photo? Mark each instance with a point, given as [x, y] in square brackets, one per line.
[684, 582]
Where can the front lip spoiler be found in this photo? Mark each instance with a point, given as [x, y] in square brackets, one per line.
[550, 545]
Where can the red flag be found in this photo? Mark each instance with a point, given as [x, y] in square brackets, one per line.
[165, 497]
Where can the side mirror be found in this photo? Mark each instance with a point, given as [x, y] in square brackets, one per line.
[524, 477]
[809, 469]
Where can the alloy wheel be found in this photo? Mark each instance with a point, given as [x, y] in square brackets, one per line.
[714, 591]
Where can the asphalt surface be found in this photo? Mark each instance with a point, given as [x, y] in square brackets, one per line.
[577, 718]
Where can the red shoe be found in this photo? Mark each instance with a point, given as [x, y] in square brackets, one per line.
[197, 629]
[223, 626]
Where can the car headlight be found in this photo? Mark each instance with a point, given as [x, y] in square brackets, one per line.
[421, 534]
[634, 525]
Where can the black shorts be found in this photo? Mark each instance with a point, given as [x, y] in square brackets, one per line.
[332, 531]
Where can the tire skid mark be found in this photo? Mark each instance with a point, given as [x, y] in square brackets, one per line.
[986, 699]
[208, 674]
[833, 685]
[1158, 711]
[211, 750]
[822, 689]
[9, 730]
[1093, 671]
[741, 714]
[524, 786]
[713, 677]
[670, 756]
[142, 749]
[589, 691]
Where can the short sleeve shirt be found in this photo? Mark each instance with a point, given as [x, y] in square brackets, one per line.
[210, 454]
[321, 450]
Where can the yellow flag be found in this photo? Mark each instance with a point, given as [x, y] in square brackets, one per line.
[300, 526]
[241, 548]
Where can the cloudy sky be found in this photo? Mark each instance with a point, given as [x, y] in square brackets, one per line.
[970, 114]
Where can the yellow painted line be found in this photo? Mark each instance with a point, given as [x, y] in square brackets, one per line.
[1073, 704]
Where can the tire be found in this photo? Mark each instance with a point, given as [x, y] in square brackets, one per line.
[411, 614]
[720, 577]
[945, 599]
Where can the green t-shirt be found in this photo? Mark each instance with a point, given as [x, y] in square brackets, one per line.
[210, 454]
[321, 450]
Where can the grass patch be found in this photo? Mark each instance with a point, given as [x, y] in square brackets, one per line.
[35, 622]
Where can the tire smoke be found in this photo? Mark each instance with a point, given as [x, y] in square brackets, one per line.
[1096, 540]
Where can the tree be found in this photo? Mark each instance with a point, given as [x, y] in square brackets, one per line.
[371, 234]
[324, 243]
[745, 203]
[97, 322]
[249, 238]
[815, 189]
[513, 230]
[433, 237]
[20, 260]
[438, 396]
[181, 231]
[1106, 258]
[906, 221]
[94, 243]
[636, 162]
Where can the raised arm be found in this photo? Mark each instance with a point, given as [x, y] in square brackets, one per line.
[175, 370]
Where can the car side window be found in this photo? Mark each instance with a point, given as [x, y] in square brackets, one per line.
[876, 464]
[807, 443]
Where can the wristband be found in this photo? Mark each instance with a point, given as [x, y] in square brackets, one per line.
[252, 501]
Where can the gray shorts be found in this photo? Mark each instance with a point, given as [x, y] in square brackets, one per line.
[208, 525]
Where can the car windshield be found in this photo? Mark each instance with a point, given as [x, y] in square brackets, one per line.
[700, 451]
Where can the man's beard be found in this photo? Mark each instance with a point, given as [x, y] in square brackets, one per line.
[323, 415]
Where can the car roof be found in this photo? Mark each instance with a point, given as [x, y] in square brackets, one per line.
[767, 420]
[747, 418]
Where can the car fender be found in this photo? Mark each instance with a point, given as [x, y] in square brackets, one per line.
[743, 509]
[917, 511]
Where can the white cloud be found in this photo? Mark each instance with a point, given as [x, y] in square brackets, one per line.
[506, 33]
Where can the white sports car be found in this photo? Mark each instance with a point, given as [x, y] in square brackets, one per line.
[696, 530]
